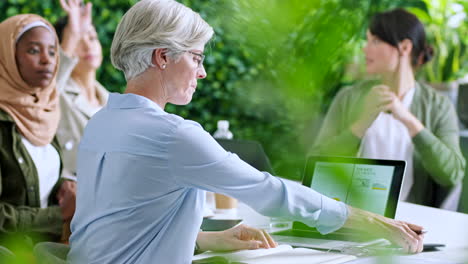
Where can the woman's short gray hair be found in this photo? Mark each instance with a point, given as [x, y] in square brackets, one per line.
[156, 24]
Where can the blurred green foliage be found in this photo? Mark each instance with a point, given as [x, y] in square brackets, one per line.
[17, 248]
[224, 94]
[450, 40]
[273, 66]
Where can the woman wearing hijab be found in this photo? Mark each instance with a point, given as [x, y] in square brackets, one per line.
[33, 199]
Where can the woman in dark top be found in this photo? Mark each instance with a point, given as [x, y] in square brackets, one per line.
[33, 200]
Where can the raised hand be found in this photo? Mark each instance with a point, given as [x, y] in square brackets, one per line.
[79, 15]
[79, 22]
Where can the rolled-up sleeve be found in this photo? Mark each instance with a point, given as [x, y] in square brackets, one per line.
[66, 66]
[198, 161]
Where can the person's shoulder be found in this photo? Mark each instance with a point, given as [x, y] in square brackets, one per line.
[6, 124]
[355, 90]
[102, 92]
[187, 123]
[69, 90]
[359, 86]
[5, 117]
[172, 120]
[189, 130]
[186, 126]
[190, 137]
[167, 124]
[429, 95]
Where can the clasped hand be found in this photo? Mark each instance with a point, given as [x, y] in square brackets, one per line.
[66, 197]
[381, 99]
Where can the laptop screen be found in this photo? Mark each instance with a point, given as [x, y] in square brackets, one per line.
[369, 184]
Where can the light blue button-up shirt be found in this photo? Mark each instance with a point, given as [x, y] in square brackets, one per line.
[142, 176]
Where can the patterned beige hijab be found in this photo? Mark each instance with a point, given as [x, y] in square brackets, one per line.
[35, 110]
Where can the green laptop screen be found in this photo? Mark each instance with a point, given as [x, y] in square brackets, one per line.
[360, 185]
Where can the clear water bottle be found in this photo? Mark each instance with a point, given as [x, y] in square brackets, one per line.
[223, 130]
[225, 205]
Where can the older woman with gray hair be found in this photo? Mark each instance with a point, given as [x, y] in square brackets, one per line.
[143, 173]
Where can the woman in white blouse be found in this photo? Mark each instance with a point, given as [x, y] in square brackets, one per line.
[81, 95]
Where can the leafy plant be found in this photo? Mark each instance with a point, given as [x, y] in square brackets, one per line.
[272, 68]
[222, 95]
[450, 41]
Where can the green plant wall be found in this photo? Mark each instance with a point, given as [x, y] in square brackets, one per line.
[273, 67]
[450, 42]
[222, 95]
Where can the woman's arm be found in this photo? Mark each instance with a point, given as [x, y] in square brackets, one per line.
[37, 220]
[79, 20]
[439, 150]
[28, 219]
[334, 138]
[67, 64]
[214, 169]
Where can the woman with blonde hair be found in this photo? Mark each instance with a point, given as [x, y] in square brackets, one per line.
[81, 95]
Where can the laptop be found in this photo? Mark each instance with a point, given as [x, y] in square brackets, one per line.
[370, 184]
[249, 151]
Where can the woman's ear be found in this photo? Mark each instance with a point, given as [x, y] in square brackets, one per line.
[159, 58]
[405, 47]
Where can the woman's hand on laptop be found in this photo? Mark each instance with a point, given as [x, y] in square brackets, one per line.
[409, 236]
[235, 238]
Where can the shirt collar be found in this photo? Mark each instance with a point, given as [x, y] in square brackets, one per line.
[128, 101]
[73, 88]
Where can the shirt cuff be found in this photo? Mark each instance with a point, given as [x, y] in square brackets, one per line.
[332, 217]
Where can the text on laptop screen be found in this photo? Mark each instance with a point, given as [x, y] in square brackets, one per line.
[360, 185]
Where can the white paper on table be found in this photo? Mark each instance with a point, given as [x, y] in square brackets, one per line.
[280, 255]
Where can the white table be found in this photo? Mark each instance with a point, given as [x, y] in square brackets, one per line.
[445, 227]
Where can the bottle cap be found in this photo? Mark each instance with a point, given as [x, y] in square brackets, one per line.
[223, 124]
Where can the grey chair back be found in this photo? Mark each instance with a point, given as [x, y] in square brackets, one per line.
[6, 256]
[462, 104]
[51, 253]
[463, 205]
